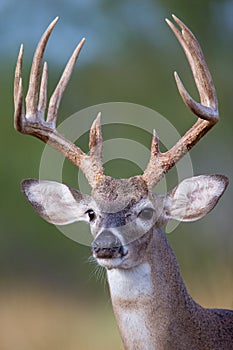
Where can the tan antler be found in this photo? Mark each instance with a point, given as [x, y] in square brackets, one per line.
[207, 110]
[33, 122]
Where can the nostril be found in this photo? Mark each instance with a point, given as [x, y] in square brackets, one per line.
[106, 239]
[95, 249]
[107, 245]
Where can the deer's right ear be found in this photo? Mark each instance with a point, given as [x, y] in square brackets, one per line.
[56, 202]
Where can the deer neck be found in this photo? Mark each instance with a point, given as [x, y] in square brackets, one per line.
[148, 299]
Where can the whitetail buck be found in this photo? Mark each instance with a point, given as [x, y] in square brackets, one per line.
[151, 304]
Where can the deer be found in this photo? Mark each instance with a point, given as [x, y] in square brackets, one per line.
[152, 306]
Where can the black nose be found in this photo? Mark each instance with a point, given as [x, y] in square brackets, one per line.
[107, 246]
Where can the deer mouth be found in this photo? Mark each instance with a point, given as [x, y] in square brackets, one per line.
[108, 250]
[112, 257]
[112, 263]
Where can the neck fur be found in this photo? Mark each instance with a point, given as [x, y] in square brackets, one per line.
[148, 298]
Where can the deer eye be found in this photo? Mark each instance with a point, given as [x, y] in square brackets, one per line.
[91, 214]
[146, 214]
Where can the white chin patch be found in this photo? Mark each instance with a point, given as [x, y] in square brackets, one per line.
[110, 263]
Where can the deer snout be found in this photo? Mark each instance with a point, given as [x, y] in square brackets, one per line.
[107, 246]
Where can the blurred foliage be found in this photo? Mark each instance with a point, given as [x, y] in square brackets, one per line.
[129, 56]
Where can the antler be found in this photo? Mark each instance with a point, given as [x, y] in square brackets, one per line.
[207, 110]
[33, 122]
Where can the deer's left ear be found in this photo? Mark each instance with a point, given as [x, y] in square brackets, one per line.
[193, 198]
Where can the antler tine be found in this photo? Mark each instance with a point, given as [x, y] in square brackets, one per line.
[61, 86]
[43, 92]
[34, 81]
[207, 110]
[19, 114]
[96, 147]
[18, 74]
[96, 140]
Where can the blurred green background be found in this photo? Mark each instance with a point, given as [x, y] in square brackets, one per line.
[51, 297]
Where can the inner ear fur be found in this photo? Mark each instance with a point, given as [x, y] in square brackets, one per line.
[57, 203]
[195, 197]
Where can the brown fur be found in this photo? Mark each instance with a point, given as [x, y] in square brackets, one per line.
[171, 316]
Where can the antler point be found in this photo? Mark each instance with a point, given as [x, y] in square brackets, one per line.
[169, 22]
[155, 133]
[96, 122]
[177, 20]
[55, 19]
[80, 44]
[99, 115]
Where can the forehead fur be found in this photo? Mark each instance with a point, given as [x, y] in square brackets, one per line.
[113, 195]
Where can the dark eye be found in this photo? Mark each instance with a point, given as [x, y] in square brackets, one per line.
[146, 214]
[91, 214]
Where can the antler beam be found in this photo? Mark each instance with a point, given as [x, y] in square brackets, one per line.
[33, 121]
[207, 110]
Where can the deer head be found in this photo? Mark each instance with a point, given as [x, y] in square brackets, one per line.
[122, 213]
